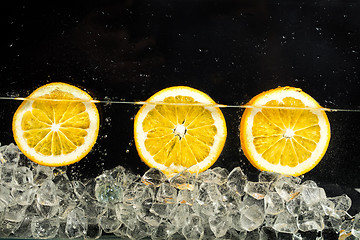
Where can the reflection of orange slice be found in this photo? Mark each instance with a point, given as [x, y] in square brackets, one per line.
[55, 132]
[288, 141]
[174, 138]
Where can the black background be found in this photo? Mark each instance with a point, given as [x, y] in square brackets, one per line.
[231, 50]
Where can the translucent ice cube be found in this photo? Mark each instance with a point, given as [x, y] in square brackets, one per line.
[193, 228]
[287, 188]
[285, 223]
[76, 223]
[109, 221]
[309, 221]
[236, 180]
[154, 177]
[166, 193]
[355, 230]
[183, 181]
[274, 204]
[219, 225]
[44, 227]
[24, 194]
[257, 190]
[23, 175]
[252, 217]
[312, 195]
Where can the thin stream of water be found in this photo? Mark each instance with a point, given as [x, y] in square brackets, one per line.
[181, 104]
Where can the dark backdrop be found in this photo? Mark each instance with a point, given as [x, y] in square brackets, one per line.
[232, 50]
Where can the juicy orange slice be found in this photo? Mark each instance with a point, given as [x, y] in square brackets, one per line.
[287, 141]
[174, 138]
[55, 127]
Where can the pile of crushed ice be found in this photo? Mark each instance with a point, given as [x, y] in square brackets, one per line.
[41, 202]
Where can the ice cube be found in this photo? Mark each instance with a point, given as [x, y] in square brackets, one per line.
[24, 194]
[108, 192]
[14, 212]
[163, 231]
[236, 181]
[183, 181]
[23, 175]
[180, 214]
[138, 231]
[166, 193]
[265, 176]
[154, 177]
[257, 190]
[126, 214]
[193, 228]
[295, 206]
[309, 221]
[94, 230]
[216, 175]
[234, 218]
[5, 193]
[287, 187]
[7, 227]
[312, 195]
[219, 225]
[63, 185]
[355, 230]
[10, 154]
[285, 223]
[109, 221]
[42, 174]
[252, 217]
[44, 227]
[7, 173]
[274, 204]
[185, 197]
[342, 203]
[161, 209]
[144, 213]
[24, 230]
[47, 200]
[267, 233]
[76, 223]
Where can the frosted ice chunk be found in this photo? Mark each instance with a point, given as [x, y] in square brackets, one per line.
[285, 223]
[44, 227]
[274, 204]
[154, 177]
[193, 228]
[23, 175]
[309, 221]
[219, 225]
[287, 187]
[257, 190]
[109, 221]
[252, 217]
[236, 181]
[76, 223]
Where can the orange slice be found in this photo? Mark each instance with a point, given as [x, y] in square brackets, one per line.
[55, 128]
[287, 141]
[174, 138]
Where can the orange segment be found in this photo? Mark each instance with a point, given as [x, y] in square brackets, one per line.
[58, 127]
[177, 135]
[289, 140]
